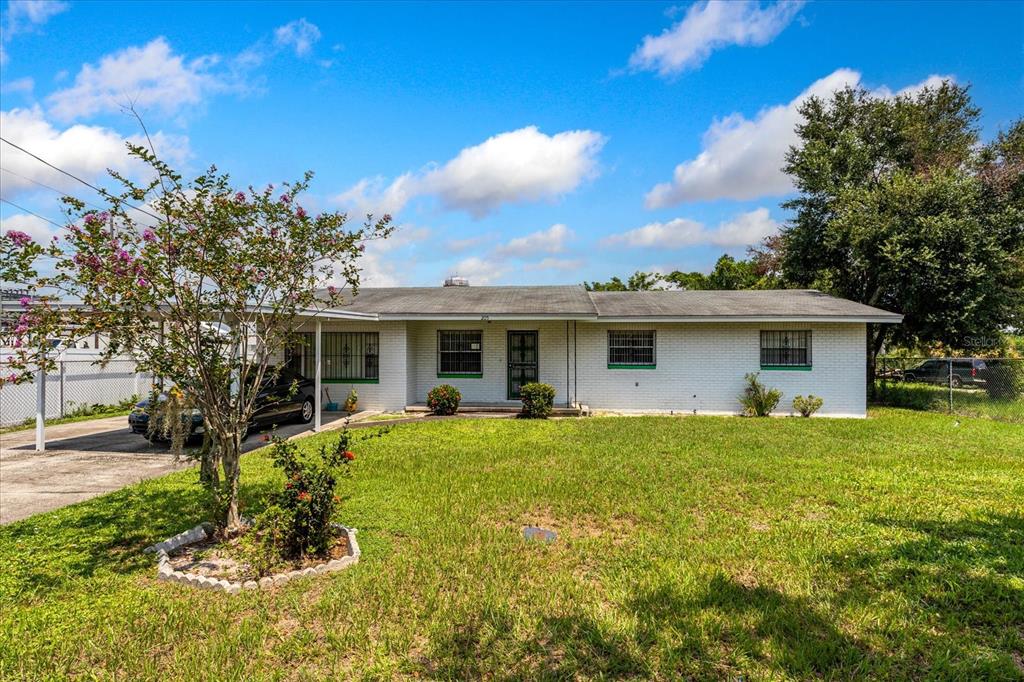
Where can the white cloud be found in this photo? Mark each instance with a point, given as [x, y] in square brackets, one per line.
[380, 266]
[742, 158]
[24, 16]
[561, 264]
[151, 76]
[712, 25]
[85, 151]
[37, 228]
[25, 85]
[300, 35]
[519, 166]
[551, 240]
[743, 230]
[480, 271]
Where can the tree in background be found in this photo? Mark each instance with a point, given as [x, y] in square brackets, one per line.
[897, 208]
[201, 286]
[728, 274]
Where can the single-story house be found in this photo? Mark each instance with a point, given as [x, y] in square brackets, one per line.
[629, 351]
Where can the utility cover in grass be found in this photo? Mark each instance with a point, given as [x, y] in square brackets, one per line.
[539, 534]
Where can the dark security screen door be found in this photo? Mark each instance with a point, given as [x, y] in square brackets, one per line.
[522, 361]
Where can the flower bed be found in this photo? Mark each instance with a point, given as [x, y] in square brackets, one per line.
[174, 548]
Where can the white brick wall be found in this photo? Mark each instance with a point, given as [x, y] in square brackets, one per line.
[701, 367]
[389, 393]
[492, 386]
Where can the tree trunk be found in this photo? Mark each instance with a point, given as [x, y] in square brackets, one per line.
[232, 468]
[875, 340]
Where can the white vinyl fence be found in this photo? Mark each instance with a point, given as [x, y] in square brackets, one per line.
[76, 381]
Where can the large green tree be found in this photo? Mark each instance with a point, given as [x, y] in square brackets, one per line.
[900, 208]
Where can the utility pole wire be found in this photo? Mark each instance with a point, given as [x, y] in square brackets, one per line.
[49, 187]
[22, 208]
[102, 192]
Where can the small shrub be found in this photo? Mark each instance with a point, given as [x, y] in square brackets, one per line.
[758, 400]
[538, 400]
[309, 500]
[260, 547]
[444, 399]
[807, 406]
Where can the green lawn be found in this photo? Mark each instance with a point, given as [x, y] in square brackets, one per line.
[697, 547]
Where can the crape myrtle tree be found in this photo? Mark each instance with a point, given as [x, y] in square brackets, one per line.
[900, 207]
[202, 287]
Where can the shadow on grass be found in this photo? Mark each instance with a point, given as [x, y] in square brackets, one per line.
[708, 635]
[105, 535]
[961, 574]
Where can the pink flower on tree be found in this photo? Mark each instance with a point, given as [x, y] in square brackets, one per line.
[19, 238]
[286, 199]
[149, 235]
[301, 212]
[240, 197]
[25, 301]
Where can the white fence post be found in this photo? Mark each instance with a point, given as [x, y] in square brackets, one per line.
[41, 407]
[61, 367]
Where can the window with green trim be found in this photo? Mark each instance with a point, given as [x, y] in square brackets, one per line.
[350, 356]
[631, 348]
[785, 348]
[460, 352]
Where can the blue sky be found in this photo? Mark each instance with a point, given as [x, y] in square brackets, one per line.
[518, 143]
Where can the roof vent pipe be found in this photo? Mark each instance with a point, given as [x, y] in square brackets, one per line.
[456, 281]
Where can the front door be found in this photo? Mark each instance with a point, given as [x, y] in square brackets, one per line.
[522, 361]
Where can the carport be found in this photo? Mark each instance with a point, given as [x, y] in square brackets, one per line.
[308, 315]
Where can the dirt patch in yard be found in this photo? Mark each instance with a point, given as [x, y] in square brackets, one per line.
[615, 529]
[224, 558]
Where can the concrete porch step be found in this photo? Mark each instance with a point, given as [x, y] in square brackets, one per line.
[500, 408]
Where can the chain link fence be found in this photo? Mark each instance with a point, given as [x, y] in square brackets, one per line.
[77, 386]
[978, 387]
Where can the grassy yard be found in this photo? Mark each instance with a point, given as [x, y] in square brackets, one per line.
[688, 547]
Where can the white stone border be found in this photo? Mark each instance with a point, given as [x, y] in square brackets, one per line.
[201, 532]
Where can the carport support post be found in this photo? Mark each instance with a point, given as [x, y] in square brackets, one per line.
[319, 389]
[41, 407]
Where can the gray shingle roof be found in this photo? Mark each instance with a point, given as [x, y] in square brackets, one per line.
[575, 301]
[426, 301]
[768, 303]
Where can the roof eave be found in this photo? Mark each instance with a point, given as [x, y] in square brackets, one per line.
[874, 319]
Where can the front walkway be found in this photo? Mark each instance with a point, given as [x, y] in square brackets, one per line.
[90, 458]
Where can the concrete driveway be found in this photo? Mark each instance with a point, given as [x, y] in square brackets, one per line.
[89, 458]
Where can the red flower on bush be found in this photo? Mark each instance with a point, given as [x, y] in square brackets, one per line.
[305, 497]
[349, 455]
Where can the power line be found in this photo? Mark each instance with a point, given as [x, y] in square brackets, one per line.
[45, 186]
[102, 192]
[22, 208]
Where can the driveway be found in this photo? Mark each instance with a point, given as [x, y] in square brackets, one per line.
[89, 458]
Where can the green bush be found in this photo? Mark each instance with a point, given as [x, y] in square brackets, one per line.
[444, 399]
[1004, 379]
[309, 500]
[807, 406]
[538, 400]
[757, 399]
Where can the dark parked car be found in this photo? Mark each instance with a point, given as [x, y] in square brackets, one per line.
[966, 372]
[276, 403]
